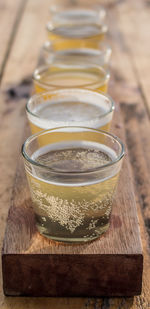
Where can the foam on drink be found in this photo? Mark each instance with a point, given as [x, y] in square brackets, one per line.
[77, 109]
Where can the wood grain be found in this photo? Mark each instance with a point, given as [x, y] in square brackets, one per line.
[119, 248]
[137, 128]
[15, 87]
[10, 15]
[125, 89]
[139, 53]
[92, 265]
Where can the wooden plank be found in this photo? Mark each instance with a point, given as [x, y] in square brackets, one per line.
[10, 15]
[127, 91]
[137, 130]
[15, 89]
[14, 92]
[133, 17]
[119, 248]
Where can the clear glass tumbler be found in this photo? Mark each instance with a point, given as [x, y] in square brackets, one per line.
[72, 174]
[67, 107]
[100, 56]
[76, 35]
[59, 75]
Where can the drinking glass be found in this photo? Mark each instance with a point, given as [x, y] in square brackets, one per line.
[61, 75]
[100, 56]
[76, 35]
[72, 174]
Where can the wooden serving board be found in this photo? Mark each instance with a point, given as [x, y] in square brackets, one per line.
[109, 266]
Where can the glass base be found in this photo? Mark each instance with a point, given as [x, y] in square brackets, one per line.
[72, 240]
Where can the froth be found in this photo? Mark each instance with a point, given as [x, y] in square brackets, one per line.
[84, 180]
[73, 145]
[77, 110]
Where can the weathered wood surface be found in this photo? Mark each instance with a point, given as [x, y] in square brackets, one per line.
[10, 16]
[25, 251]
[131, 68]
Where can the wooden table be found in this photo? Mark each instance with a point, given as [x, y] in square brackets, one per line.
[22, 32]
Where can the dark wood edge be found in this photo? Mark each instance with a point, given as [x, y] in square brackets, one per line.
[94, 288]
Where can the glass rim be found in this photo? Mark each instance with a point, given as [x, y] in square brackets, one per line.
[92, 170]
[51, 29]
[61, 8]
[56, 10]
[44, 68]
[49, 45]
[99, 93]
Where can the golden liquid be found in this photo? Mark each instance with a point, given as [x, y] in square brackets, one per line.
[70, 36]
[36, 129]
[56, 137]
[89, 78]
[74, 211]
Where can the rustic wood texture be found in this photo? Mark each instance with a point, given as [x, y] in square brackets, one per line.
[129, 36]
[89, 269]
[121, 238]
[10, 16]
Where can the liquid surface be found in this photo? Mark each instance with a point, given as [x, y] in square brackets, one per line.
[78, 56]
[66, 112]
[76, 35]
[78, 30]
[69, 79]
[78, 15]
[74, 213]
[78, 159]
[72, 111]
[94, 79]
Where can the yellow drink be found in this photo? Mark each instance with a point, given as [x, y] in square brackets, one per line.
[51, 78]
[76, 35]
[36, 129]
[78, 210]
[72, 174]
